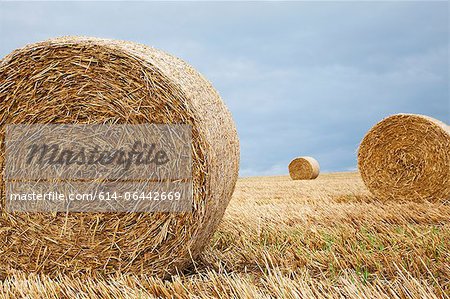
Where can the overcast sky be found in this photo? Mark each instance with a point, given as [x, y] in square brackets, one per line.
[300, 78]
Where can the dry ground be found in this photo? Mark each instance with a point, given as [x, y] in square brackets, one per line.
[326, 238]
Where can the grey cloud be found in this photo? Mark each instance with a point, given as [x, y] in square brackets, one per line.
[300, 78]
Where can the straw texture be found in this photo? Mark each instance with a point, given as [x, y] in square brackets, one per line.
[407, 157]
[88, 80]
[304, 168]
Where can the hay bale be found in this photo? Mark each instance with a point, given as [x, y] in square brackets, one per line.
[89, 80]
[304, 168]
[407, 157]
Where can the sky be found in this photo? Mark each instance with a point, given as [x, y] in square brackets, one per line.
[300, 78]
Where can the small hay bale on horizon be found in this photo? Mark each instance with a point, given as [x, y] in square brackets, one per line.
[304, 168]
[407, 157]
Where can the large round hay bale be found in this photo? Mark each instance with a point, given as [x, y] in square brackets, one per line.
[304, 168]
[89, 80]
[407, 157]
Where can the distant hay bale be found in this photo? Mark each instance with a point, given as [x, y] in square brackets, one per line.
[304, 168]
[88, 80]
[407, 157]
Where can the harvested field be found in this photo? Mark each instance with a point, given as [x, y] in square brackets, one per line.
[327, 238]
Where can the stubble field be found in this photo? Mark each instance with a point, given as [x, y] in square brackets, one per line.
[326, 238]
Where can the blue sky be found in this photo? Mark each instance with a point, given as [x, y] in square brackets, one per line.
[301, 78]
